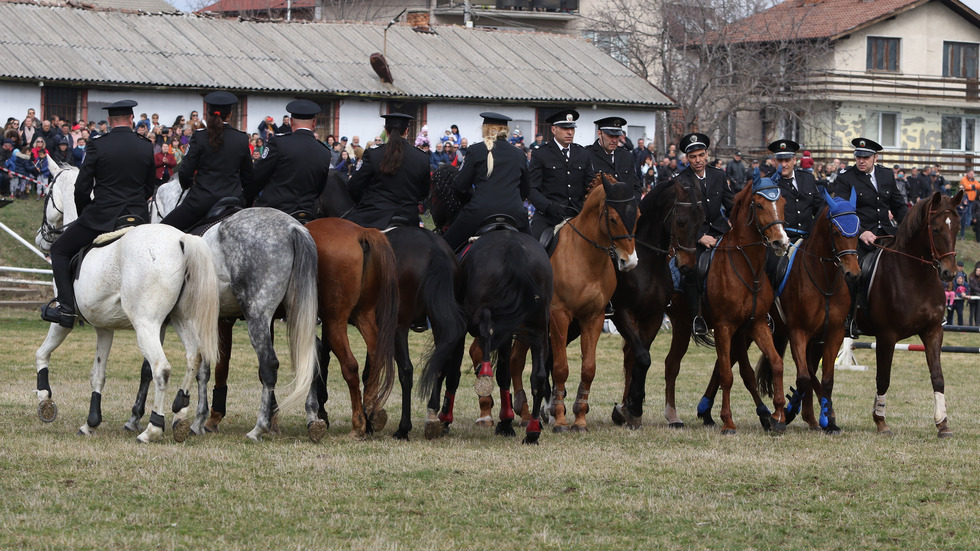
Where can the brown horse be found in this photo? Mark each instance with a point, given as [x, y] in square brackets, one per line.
[906, 297]
[584, 282]
[812, 319]
[358, 284]
[738, 294]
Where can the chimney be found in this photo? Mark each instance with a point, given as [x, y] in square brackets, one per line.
[419, 21]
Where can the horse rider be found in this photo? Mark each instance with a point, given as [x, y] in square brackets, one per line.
[880, 206]
[560, 172]
[609, 157]
[718, 202]
[217, 165]
[495, 174]
[120, 172]
[392, 181]
[294, 166]
[798, 188]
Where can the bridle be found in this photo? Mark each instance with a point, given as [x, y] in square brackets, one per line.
[937, 257]
[610, 249]
[48, 232]
[155, 204]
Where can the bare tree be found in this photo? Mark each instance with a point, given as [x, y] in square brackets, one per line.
[716, 63]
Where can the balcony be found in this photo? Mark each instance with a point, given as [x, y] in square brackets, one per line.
[880, 86]
[525, 10]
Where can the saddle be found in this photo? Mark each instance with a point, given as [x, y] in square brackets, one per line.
[549, 238]
[303, 216]
[704, 263]
[778, 272]
[123, 225]
[224, 208]
[869, 267]
[496, 222]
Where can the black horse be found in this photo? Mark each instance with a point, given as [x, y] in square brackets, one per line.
[428, 280]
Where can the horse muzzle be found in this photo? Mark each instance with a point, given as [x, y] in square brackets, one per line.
[626, 264]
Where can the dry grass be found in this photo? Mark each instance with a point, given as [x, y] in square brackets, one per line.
[610, 488]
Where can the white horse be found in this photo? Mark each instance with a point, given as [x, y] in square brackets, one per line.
[152, 274]
[266, 261]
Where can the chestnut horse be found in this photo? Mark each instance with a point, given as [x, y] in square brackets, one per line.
[812, 319]
[739, 295]
[584, 282]
[357, 283]
[906, 297]
[672, 215]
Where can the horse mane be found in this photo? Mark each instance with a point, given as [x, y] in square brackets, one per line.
[742, 199]
[910, 227]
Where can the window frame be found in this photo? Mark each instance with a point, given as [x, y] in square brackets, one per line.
[873, 48]
[950, 55]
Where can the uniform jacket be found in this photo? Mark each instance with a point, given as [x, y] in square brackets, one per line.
[503, 192]
[718, 199]
[379, 196]
[873, 205]
[558, 185]
[291, 173]
[119, 167]
[212, 175]
[619, 166]
[802, 205]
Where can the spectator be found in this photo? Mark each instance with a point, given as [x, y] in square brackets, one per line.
[28, 131]
[48, 133]
[640, 155]
[806, 163]
[964, 209]
[63, 153]
[335, 154]
[255, 155]
[422, 139]
[447, 136]
[285, 127]
[440, 157]
[377, 142]
[736, 172]
[671, 152]
[39, 158]
[464, 144]
[516, 138]
[5, 153]
[346, 166]
[179, 122]
[30, 115]
[960, 294]
[267, 128]
[20, 164]
[79, 152]
[974, 285]
[144, 122]
[165, 161]
[355, 144]
[969, 186]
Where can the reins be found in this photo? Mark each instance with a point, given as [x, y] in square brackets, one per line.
[49, 233]
[610, 250]
[936, 256]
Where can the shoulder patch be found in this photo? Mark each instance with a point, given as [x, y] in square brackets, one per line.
[200, 129]
[97, 136]
[265, 152]
[282, 133]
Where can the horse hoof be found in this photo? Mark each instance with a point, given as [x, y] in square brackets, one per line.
[483, 386]
[776, 427]
[484, 422]
[706, 418]
[505, 429]
[401, 434]
[832, 429]
[182, 429]
[531, 438]
[559, 429]
[728, 432]
[767, 423]
[358, 435]
[131, 426]
[885, 432]
[580, 428]
[676, 425]
[445, 428]
[945, 433]
[379, 418]
[323, 415]
[274, 425]
[433, 430]
[617, 415]
[316, 430]
[47, 411]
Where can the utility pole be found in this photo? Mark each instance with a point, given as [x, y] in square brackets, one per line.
[467, 14]
[289, 10]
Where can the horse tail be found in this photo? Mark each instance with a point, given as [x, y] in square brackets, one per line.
[301, 311]
[381, 271]
[515, 295]
[446, 317]
[763, 375]
[199, 299]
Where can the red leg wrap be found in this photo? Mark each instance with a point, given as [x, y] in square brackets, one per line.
[534, 426]
[486, 370]
[506, 407]
[446, 415]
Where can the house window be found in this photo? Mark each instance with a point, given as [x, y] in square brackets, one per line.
[728, 130]
[883, 54]
[885, 128]
[64, 102]
[417, 110]
[613, 43]
[960, 59]
[959, 132]
[326, 120]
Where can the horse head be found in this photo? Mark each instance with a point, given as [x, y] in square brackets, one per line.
[618, 220]
[844, 229]
[165, 199]
[766, 206]
[943, 222]
[59, 208]
[688, 215]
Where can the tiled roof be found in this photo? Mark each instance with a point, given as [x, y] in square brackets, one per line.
[194, 52]
[812, 19]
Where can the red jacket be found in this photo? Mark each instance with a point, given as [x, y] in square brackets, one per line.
[164, 160]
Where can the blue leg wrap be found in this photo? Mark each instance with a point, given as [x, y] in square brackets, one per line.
[763, 411]
[824, 413]
[704, 406]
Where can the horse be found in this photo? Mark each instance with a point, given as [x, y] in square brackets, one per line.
[358, 283]
[739, 295]
[266, 263]
[812, 320]
[148, 276]
[429, 278]
[584, 282]
[668, 229]
[500, 299]
[914, 303]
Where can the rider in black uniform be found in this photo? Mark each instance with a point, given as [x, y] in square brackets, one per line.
[496, 175]
[294, 166]
[611, 158]
[218, 164]
[119, 168]
[392, 181]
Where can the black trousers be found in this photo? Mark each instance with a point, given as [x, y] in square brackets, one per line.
[185, 216]
[75, 238]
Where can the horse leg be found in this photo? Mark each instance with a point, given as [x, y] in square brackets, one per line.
[639, 354]
[813, 353]
[260, 333]
[405, 374]
[932, 340]
[102, 346]
[723, 372]
[219, 396]
[139, 405]
[741, 355]
[828, 419]
[149, 343]
[47, 411]
[539, 382]
[798, 340]
[452, 385]
[518, 354]
[884, 350]
[506, 425]
[486, 402]
[680, 340]
[763, 339]
[618, 414]
[707, 400]
[560, 319]
[591, 330]
[374, 412]
[197, 369]
[335, 334]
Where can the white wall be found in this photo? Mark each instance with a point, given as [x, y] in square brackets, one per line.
[17, 98]
[360, 118]
[167, 104]
[259, 107]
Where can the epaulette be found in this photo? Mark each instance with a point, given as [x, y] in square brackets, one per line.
[282, 133]
[97, 136]
[200, 129]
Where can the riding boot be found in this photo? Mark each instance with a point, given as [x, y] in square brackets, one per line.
[850, 327]
[610, 311]
[63, 314]
[693, 297]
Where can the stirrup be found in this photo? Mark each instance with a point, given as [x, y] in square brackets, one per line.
[850, 328]
[699, 326]
[610, 311]
[58, 314]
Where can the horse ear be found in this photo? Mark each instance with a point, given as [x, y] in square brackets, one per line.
[853, 200]
[936, 199]
[826, 196]
[958, 198]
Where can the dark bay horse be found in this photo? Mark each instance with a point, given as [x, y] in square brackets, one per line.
[672, 215]
[739, 295]
[507, 290]
[357, 283]
[906, 296]
[428, 280]
[584, 282]
[811, 318]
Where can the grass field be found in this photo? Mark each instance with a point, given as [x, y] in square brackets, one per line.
[610, 488]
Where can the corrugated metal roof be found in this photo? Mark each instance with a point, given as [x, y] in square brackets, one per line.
[148, 6]
[188, 51]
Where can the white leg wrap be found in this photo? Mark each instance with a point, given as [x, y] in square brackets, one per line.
[879, 409]
[671, 414]
[940, 407]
